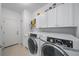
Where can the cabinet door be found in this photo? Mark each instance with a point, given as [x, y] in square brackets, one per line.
[64, 15]
[52, 18]
[44, 21]
[41, 21]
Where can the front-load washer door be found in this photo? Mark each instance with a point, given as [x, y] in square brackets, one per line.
[32, 44]
[52, 50]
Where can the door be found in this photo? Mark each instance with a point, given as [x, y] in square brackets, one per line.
[52, 50]
[10, 32]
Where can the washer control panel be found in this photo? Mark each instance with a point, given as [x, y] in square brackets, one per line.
[50, 39]
[63, 42]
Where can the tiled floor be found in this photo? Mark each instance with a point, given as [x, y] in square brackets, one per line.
[16, 50]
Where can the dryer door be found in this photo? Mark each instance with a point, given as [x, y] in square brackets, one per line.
[32, 44]
[52, 50]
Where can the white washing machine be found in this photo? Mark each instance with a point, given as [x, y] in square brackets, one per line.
[33, 44]
[55, 44]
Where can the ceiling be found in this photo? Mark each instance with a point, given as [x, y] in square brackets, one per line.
[19, 7]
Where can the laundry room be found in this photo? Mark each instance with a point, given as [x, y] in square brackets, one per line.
[39, 29]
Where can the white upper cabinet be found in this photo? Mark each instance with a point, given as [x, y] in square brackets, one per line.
[64, 15]
[60, 16]
[41, 21]
[52, 18]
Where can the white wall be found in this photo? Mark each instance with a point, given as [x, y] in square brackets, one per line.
[26, 18]
[42, 9]
[7, 13]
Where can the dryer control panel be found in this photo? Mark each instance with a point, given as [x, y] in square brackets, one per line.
[63, 42]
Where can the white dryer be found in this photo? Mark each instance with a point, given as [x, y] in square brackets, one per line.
[57, 45]
[33, 44]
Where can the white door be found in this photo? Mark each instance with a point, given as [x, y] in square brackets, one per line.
[52, 18]
[10, 32]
